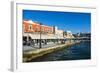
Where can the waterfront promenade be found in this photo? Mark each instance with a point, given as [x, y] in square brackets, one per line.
[34, 53]
[50, 44]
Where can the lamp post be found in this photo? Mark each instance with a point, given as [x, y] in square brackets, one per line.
[40, 45]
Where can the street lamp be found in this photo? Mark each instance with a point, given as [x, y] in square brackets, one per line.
[40, 45]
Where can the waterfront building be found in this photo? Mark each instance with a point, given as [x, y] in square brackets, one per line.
[69, 34]
[34, 27]
[34, 31]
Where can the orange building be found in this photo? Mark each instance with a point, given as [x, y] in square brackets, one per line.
[34, 27]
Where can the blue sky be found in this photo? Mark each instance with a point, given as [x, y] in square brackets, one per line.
[73, 21]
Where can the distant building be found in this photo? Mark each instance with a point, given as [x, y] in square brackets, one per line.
[58, 33]
[83, 35]
[69, 34]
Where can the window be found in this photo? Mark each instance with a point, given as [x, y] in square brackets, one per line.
[42, 29]
[36, 29]
[30, 27]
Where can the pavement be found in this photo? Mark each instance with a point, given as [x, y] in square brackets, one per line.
[51, 44]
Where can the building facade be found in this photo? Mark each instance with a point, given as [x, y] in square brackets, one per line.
[35, 27]
[36, 33]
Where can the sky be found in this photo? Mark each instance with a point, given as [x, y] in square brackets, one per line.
[67, 21]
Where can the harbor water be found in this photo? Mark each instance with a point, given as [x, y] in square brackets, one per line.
[81, 51]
